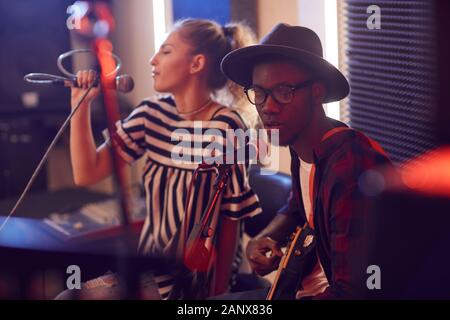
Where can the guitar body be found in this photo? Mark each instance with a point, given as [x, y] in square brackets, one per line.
[297, 261]
[197, 255]
[195, 280]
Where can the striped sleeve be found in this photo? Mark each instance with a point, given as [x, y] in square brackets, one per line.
[129, 138]
[239, 201]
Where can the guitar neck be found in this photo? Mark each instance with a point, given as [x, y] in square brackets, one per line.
[284, 261]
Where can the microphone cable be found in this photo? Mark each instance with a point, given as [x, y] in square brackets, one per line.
[46, 154]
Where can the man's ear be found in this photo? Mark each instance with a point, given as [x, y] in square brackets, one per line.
[318, 92]
[198, 63]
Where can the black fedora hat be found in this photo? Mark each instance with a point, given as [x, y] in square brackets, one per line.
[295, 43]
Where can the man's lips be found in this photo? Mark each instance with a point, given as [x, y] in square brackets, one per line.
[272, 124]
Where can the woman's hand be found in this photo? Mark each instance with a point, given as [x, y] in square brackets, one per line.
[256, 255]
[85, 78]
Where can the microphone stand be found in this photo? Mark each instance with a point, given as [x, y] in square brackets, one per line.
[197, 256]
[109, 99]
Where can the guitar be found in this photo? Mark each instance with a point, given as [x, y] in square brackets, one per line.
[293, 264]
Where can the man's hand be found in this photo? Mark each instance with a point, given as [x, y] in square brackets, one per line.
[256, 255]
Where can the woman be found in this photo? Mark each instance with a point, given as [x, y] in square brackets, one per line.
[187, 67]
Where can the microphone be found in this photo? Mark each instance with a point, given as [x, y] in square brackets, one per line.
[123, 83]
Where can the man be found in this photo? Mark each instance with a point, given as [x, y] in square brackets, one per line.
[287, 79]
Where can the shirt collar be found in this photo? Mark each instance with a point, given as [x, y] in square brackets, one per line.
[332, 140]
[327, 146]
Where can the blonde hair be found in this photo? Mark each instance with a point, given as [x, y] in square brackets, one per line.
[215, 41]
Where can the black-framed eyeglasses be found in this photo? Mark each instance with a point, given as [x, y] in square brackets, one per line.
[281, 93]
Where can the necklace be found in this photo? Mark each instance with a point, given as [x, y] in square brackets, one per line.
[201, 108]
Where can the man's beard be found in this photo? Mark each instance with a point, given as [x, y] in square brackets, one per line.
[292, 139]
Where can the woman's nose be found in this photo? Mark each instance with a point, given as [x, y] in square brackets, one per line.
[153, 61]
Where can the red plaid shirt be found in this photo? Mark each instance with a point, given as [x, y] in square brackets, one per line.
[341, 210]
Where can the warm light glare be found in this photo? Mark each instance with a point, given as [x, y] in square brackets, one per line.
[331, 48]
[159, 22]
[429, 173]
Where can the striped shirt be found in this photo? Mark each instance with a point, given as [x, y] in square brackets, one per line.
[153, 130]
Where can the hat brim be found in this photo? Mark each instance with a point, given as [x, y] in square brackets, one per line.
[238, 67]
